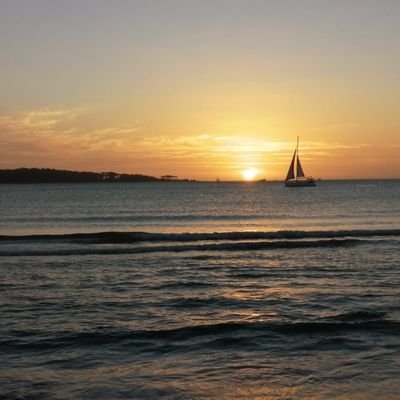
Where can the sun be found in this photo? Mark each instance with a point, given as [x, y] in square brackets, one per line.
[249, 174]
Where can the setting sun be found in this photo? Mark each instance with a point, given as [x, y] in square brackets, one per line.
[249, 174]
[237, 162]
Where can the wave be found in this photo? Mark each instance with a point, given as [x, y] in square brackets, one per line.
[223, 246]
[115, 237]
[362, 322]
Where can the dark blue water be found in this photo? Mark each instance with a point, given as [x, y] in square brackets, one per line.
[200, 291]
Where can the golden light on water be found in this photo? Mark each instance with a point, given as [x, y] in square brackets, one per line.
[249, 174]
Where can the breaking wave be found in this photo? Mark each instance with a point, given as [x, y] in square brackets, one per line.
[222, 246]
[135, 237]
[145, 242]
[351, 322]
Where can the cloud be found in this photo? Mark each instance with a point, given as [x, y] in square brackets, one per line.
[67, 138]
[61, 123]
[58, 137]
[208, 144]
[62, 128]
[49, 118]
[38, 121]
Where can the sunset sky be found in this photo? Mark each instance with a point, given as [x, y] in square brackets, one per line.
[201, 89]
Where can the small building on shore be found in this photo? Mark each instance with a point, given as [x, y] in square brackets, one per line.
[169, 178]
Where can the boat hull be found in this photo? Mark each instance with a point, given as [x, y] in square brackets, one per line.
[300, 183]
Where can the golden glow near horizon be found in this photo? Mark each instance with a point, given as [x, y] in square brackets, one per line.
[175, 88]
[78, 139]
[249, 174]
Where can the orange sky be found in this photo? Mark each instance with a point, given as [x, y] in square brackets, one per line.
[202, 90]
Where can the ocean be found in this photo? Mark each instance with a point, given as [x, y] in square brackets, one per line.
[194, 290]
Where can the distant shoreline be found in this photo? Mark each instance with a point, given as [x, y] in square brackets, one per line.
[54, 176]
[49, 175]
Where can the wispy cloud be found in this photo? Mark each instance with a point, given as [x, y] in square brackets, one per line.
[57, 136]
[60, 124]
[39, 121]
[235, 144]
[63, 138]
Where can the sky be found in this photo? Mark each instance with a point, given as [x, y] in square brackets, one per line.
[201, 89]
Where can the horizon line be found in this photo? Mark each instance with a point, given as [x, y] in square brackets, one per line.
[216, 180]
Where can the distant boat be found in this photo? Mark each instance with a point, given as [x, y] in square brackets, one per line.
[299, 179]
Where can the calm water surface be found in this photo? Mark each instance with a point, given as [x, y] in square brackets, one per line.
[200, 291]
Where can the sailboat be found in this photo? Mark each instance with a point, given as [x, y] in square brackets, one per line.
[298, 179]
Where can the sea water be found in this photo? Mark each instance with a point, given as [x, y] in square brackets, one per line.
[191, 290]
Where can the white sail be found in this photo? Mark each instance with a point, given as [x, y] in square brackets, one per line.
[290, 174]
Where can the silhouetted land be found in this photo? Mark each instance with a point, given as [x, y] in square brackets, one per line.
[47, 175]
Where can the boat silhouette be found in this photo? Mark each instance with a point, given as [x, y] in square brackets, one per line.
[295, 176]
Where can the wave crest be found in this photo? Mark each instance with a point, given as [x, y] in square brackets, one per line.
[134, 237]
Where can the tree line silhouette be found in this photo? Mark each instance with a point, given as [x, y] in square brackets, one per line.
[48, 175]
